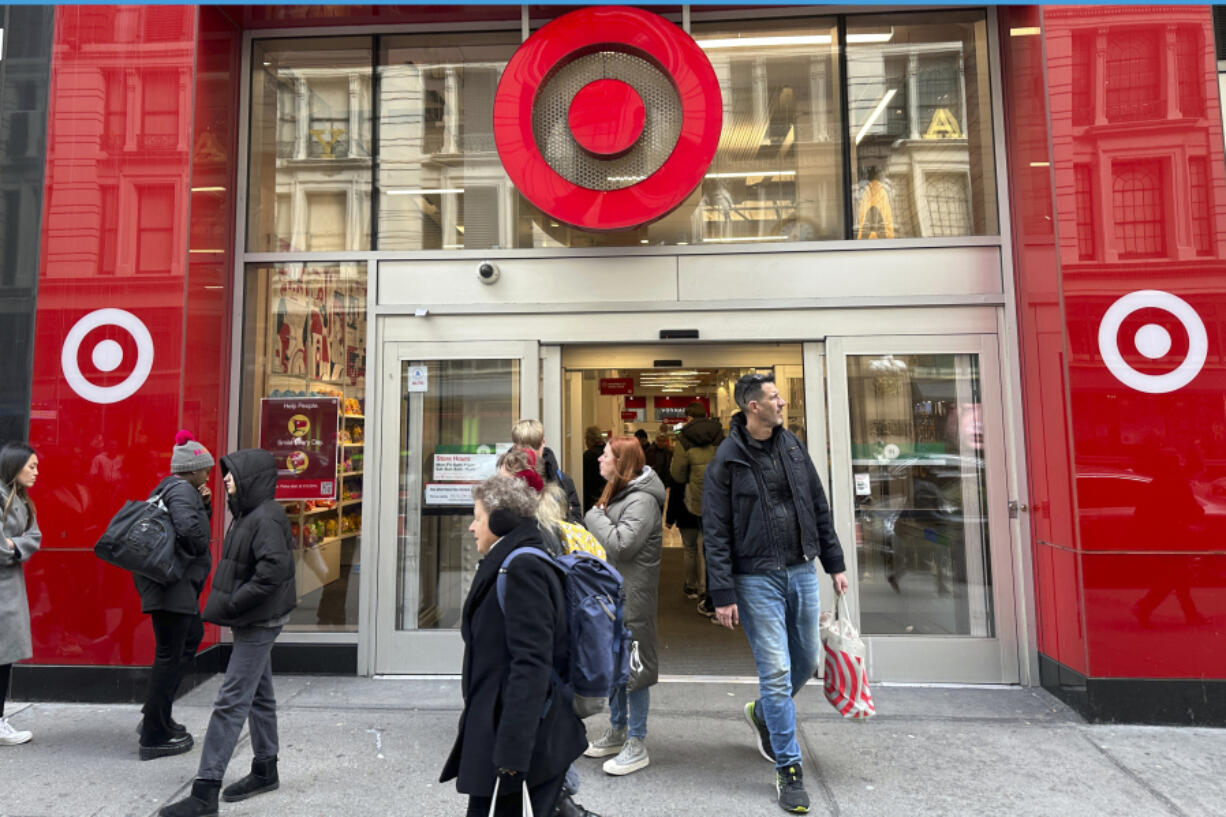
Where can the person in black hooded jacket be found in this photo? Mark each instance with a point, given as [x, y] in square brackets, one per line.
[518, 725]
[253, 594]
[175, 608]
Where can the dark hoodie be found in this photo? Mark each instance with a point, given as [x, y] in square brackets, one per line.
[254, 581]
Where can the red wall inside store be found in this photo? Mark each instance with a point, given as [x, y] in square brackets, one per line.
[1133, 584]
[142, 110]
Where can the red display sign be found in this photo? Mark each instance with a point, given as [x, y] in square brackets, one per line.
[617, 385]
[300, 432]
[630, 415]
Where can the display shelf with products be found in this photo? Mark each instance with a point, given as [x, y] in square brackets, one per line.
[305, 326]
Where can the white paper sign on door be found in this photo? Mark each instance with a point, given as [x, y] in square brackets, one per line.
[464, 467]
[448, 494]
[418, 378]
[863, 485]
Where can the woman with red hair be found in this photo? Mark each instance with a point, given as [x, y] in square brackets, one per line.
[626, 521]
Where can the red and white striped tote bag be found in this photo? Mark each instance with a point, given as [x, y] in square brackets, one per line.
[846, 676]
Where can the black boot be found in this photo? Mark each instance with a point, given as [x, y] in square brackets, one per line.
[176, 728]
[177, 745]
[263, 778]
[202, 802]
[567, 807]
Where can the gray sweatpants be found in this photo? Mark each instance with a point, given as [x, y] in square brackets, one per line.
[246, 691]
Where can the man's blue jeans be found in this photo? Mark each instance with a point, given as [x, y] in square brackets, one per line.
[636, 718]
[779, 611]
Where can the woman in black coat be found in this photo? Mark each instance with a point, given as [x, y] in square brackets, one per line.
[518, 724]
[175, 608]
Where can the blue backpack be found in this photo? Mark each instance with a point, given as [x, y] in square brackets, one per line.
[600, 644]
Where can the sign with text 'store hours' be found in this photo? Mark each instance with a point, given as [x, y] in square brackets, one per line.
[300, 433]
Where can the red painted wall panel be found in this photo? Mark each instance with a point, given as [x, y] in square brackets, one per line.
[117, 305]
[1041, 339]
[1139, 285]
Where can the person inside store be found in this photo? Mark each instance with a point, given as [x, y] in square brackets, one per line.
[174, 609]
[20, 540]
[765, 524]
[530, 434]
[253, 593]
[626, 521]
[593, 482]
[696, 445]
[644, 440]
[518, 733]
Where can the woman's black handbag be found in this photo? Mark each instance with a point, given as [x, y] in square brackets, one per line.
[141, 538]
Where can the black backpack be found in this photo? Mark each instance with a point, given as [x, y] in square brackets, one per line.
[141, 538]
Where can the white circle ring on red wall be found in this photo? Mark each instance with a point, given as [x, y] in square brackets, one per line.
[104, 355]
[1151, 343]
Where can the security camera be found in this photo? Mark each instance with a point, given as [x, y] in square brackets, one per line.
[487, 273]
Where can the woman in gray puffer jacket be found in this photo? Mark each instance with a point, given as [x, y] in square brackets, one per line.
[626, 521]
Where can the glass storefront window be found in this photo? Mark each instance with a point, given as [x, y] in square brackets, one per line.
[441, 183]
[777, 175]
[919, 131]
[451, 435]
[305, 339]
[311, 150]
[921, 522]
[921, 126]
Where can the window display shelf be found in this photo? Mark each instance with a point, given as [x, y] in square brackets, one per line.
[352, 445]
[349, 502]
[351, 473]
[354, 416]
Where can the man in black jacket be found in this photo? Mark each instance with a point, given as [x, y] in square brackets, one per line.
[253, 594]
[175, 608]
[765, 519]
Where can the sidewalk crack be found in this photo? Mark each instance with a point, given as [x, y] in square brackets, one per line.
[1170, 804]
[827, 793]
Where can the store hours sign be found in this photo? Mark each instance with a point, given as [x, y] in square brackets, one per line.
[300, 433]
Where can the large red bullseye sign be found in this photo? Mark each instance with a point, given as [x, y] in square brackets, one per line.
[607, 118]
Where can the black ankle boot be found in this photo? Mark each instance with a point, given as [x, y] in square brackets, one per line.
[567, 807]
[202, 802]
[263, 778]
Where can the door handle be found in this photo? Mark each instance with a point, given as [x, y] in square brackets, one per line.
[1015, 507]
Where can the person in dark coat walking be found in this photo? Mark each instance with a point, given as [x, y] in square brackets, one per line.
[593, 482]
[253, 594]
[518, 729]
[175, 608]
[765, 524]
[530, 434]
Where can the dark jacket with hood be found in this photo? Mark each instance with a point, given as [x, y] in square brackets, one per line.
[189, 514]
[517, 713]
[696, 446]
[574, 509]
[738, 536]
[254, 581]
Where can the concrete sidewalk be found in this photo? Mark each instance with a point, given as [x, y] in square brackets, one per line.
[356, 746]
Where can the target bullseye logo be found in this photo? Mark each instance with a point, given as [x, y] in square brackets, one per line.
[107, 355]
[608, 118]
[1153, 341]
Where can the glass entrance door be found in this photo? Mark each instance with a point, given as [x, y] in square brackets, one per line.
[446, 412]
[922, 505]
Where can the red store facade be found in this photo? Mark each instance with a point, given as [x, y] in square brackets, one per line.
[1010, 221]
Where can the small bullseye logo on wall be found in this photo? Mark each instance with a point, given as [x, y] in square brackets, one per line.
[608, 118]
[110, 351]
[1144, 320]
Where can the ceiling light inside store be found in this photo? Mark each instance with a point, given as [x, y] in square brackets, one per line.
[794, 39]
[1025, 31]
[748, 174]
[872, 117]
[435, 191]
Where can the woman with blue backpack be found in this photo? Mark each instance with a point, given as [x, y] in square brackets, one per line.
[518, 733]
[626, 521]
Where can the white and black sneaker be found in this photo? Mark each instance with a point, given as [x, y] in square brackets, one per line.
[758, 724]
[12, 737]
